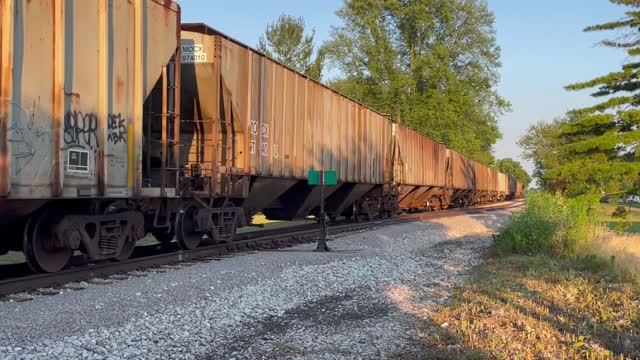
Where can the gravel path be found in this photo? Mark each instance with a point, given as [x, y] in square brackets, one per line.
[355, 302]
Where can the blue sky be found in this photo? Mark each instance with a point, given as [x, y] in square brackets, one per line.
[543, 48]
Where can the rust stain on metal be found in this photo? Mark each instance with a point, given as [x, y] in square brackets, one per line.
[120, 89]
[462, 171]
[6, 55]
[103, 111]
[420, 160]
[58, 94]
[177, 90]
[163, 154]
[135, 166]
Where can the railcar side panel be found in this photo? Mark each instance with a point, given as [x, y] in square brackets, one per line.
[74, 79]
[284, 124]
[420, 160]
[462, 171]
[483, 177]
[503, 183]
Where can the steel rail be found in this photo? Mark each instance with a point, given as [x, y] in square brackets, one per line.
[273, 239]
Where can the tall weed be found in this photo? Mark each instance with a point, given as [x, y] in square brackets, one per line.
[549, 224]
[622, 249]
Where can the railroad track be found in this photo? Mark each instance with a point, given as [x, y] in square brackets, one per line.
[51, 284]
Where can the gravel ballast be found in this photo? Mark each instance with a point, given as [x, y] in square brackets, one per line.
[292, 303]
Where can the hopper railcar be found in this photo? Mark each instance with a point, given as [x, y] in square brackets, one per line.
[76, 82]
[129, 122]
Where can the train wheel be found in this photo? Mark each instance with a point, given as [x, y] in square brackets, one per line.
[187, 236]
[42, 250]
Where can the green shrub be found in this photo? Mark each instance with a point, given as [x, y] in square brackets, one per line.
[622, 226]
[593, 263]
[620, 212]
[550, 225]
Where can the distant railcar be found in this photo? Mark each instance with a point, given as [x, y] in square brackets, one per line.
[516, 189]
[420, 170]
[490, 185]
[463, 179]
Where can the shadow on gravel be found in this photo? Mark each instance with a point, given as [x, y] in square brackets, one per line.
[297, 331]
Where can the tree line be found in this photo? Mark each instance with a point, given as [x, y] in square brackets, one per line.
[595, 149]
[432, 65]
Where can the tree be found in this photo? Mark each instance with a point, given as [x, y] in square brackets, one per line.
[515, 169]
[286, 41]
[540, 145]
[431, 64]
[602, 141]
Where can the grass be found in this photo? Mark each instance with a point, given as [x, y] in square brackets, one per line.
[603, 215]
[560, 287]
[12, 258]
[541, 308]
[622, 249]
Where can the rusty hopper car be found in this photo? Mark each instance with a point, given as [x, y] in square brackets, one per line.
[74, 79]
[487, 185]
[421, 170]
[463, 179]
[516, 190]
[266, 125]
[432, 177]
[502, 186]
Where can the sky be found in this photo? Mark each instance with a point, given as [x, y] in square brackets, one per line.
[543, 49]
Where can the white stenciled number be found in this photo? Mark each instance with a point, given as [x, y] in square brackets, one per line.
[275, 151]
[265, 149]
[254, 127]
[252, 147]
[265, 131]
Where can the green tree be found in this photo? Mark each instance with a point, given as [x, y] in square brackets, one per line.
[602, 140]
[430, 64]
[540, 145]
[515, 169]
[286, 41]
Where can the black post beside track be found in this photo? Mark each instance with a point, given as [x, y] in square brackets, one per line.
[261, 240]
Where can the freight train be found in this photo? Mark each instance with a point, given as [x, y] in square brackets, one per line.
[117, 120]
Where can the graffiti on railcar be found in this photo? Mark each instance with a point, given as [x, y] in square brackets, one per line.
[81, 129]
[27, 142]
[117, 126]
